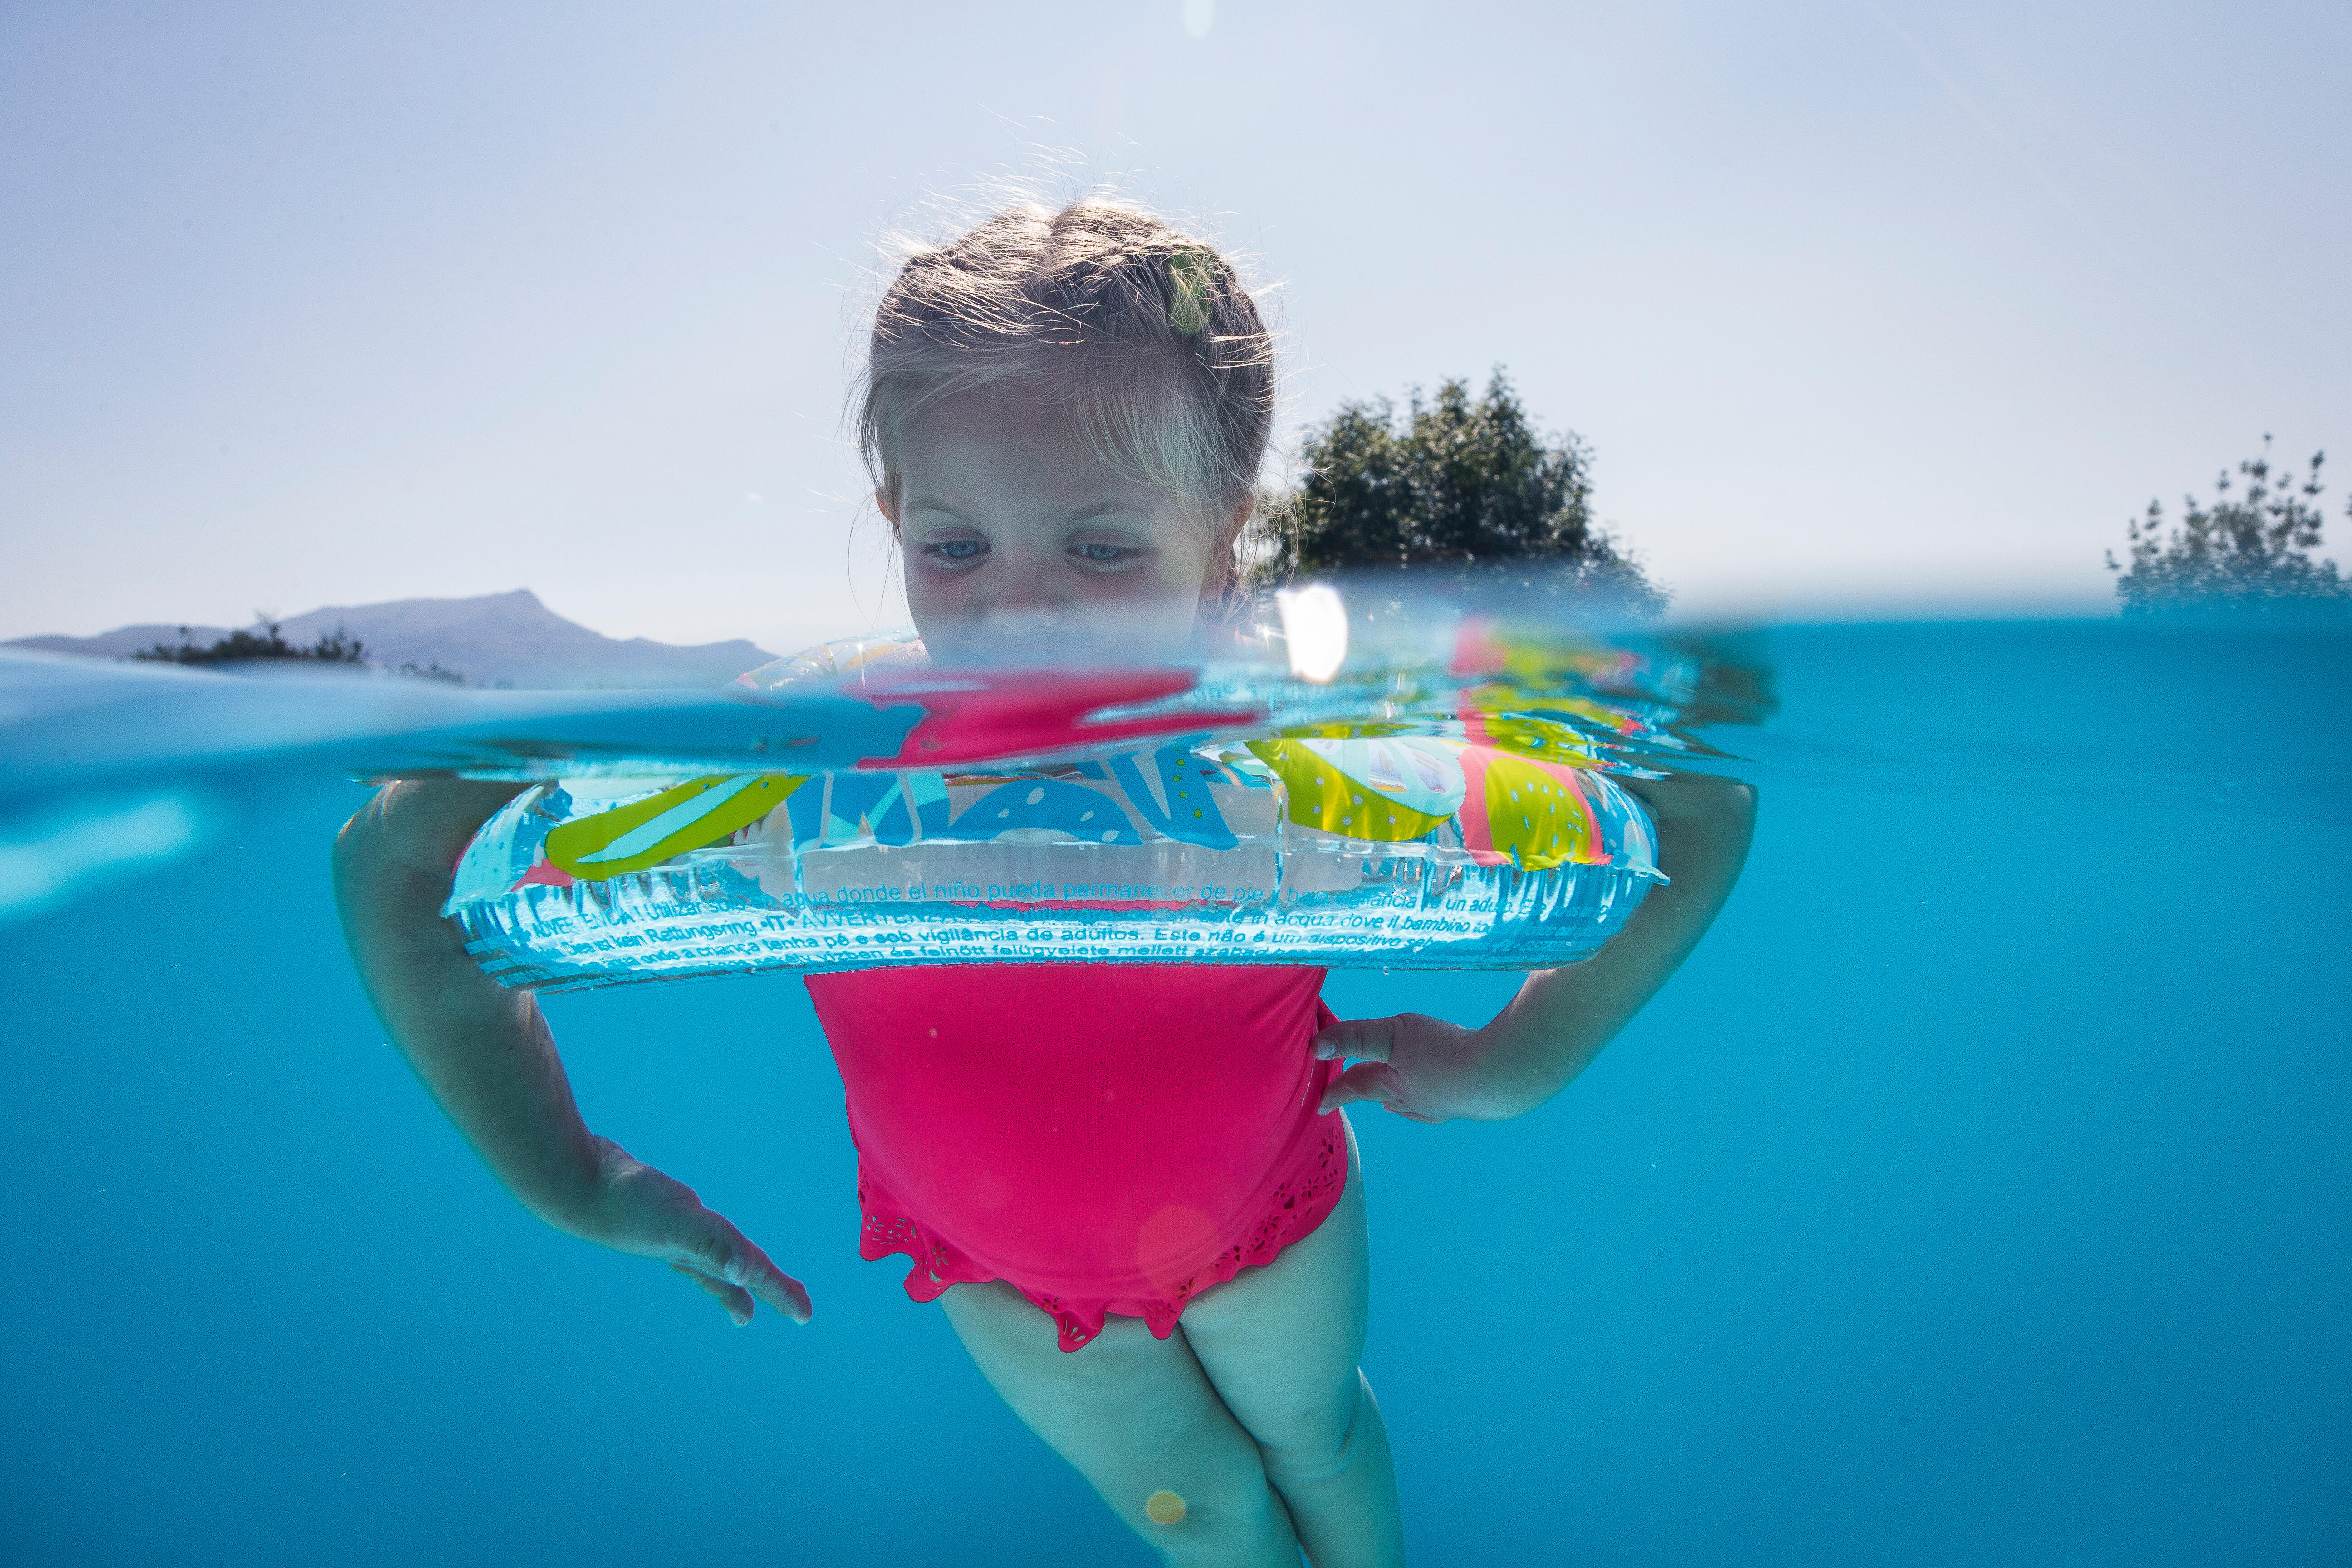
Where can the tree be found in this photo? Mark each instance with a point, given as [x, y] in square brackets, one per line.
[1460, 483]
[263, 642]
[2248, 553]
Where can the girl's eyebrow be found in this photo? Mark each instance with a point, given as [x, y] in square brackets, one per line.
[1078, 514]
[1100, 509]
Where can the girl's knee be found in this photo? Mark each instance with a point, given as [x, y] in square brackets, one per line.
[1320, 1442]
[1246, 1524]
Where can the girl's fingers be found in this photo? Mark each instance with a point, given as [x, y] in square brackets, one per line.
[1375, 1081]
[734, 1298]
[780, 1291]
[729, 1257]
[1366, 1039]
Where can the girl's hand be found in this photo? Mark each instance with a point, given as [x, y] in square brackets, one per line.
[636, 1209]
[1420, 1067]
[1432, 1070]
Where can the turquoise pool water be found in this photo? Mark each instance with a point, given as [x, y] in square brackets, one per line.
[1976, 1194]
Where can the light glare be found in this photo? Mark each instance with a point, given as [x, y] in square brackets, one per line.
[1315, 625]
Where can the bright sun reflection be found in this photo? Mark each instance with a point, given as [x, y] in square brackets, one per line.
[1314, 625]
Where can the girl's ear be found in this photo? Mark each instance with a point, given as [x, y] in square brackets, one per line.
[1235, 520]
[887, 504]
[1224, 571]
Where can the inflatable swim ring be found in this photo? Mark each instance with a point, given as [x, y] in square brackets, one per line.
[1337, 846]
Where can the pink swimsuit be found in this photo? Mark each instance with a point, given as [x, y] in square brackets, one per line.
[1106, 1138]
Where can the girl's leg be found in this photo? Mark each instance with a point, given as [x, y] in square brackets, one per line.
[1254, 1411]
[1280, 1345]
[1136, 1417]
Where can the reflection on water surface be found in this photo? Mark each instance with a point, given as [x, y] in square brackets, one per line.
[1971, 1194]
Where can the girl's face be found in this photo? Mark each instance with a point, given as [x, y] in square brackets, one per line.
[1023, 546]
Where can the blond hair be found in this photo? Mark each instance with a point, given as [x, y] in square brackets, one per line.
[1144, 334]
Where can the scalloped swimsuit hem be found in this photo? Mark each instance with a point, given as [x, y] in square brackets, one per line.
[1295, 1206]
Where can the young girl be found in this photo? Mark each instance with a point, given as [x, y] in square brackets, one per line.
[1131, 1189]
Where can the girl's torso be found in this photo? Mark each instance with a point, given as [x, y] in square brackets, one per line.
[1093, 1131]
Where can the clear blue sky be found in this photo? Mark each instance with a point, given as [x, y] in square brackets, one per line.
[308, 304]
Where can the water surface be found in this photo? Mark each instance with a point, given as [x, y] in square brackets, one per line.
[1976, 1194]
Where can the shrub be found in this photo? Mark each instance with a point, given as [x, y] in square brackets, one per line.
[2248, 552]
[262, 642]
[1458, 482]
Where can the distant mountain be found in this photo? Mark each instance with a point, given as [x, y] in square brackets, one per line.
[499, 639]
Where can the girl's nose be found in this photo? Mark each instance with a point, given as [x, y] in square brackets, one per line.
[1019, 616]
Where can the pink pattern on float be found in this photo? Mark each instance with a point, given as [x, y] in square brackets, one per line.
[1477, 650]
[1477, 833]
[1476, 824]
[544, 873]
[980, 716]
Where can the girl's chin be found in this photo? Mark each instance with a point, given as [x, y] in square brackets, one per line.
[1060, 647]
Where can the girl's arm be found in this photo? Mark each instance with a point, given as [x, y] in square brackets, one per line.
[486, 1055]
[1432, 1070]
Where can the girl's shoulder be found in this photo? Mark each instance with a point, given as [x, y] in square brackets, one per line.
[897, 651]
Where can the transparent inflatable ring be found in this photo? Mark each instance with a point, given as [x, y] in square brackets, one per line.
[1418, 852]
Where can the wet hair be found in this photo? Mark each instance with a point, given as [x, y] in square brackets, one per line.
[1143, 332]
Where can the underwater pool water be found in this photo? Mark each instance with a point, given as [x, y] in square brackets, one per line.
[1976, 1194]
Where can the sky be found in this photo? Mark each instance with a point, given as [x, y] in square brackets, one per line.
[1862, 308]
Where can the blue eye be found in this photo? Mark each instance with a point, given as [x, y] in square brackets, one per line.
[955, 550]
[1103, 551]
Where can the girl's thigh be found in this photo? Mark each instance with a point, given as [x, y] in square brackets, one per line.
[1281, 1345]
[1136, 1417]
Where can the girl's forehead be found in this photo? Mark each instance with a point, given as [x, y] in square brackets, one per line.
[975, 450]
[991, 418]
